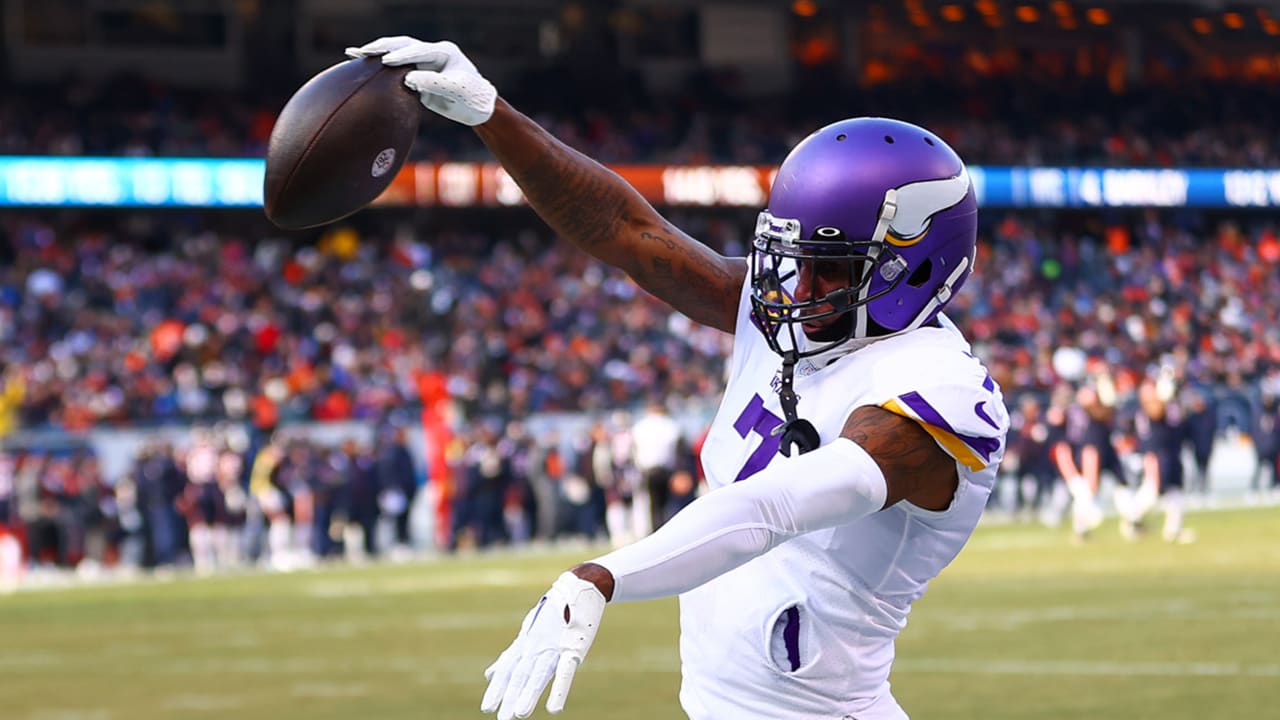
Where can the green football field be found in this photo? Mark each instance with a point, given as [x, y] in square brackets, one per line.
[1023, 625]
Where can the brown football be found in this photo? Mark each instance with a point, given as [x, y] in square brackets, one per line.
[338, 143]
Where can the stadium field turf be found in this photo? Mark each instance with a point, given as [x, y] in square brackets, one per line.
[1023, 625]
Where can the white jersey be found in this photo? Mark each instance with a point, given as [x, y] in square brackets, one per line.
[807, 630]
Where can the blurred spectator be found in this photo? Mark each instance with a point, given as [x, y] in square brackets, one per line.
[1160, 442]
[359, 501]
[10, 540]
[12, 390]
[1078, 455]
[158, 484]
[545, 473]
[296, 477]
[1028, 461]
[488, 480]
[521, 452]
[201, 503]
[626, 513]
[655, 436]
[602, 472]
[579, 491]
[1266, 436]
[328, 487]
[397, 483]
[1200, 418]
[275, 501]
[683, 485]
[235, 508]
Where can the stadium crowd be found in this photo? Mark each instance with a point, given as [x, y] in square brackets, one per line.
[102, 326]
[1048, 120]
[217, 503]
[99, 329]
[221, 501]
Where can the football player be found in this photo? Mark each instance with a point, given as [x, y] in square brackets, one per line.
[858, 438]
[1160, 434]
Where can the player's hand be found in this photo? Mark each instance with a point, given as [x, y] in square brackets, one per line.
[553, 640]
[445, 80]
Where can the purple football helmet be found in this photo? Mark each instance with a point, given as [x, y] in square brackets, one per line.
[889, 201]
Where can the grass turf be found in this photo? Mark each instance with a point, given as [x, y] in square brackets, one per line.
[1023, 625]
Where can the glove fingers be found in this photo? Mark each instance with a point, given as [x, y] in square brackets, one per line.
[380, 46]
[425, 55]
[504, 662]
[564, 680]
[499, 675]
[511, 695]
[539, 676]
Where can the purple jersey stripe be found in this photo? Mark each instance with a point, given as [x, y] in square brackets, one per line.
[983, 446]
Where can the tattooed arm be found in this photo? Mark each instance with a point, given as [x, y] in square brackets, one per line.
[915, 468]
[595, 209]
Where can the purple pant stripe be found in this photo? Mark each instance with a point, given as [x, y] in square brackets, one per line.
[791, 636]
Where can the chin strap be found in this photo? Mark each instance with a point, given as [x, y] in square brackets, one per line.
[794, 431]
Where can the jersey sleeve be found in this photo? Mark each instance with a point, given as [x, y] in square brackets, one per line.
[957, 402]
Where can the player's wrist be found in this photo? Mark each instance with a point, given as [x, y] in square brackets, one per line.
[501, 115]
[597, 575]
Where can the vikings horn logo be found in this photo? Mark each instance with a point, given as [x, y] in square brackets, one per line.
[910, 208]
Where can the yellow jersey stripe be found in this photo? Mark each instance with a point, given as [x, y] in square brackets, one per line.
[952, 444]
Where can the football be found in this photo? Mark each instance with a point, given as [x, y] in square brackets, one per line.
[338, 143]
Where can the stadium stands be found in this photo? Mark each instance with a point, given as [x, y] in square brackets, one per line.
[126, 319]
[1047, 121]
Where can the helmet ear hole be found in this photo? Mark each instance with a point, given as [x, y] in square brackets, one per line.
[921, 274]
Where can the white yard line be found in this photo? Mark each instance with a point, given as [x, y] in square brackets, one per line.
[467, 621]
[963, 666]
[427, 581]
[329, 690]
[1012, 619]
[201, 703]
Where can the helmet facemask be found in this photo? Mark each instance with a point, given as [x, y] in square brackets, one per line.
[828, 258]
[835, 318]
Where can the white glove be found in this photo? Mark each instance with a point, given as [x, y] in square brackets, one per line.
[446, 81]
[553, 640]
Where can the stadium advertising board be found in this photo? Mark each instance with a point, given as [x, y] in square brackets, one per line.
[130, 182]
[187, 182]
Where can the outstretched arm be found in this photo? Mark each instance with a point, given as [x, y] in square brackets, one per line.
[881, 459]
[585, 202]
[592, 207]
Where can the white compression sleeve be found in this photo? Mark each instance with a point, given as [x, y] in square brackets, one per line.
[832, 485]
